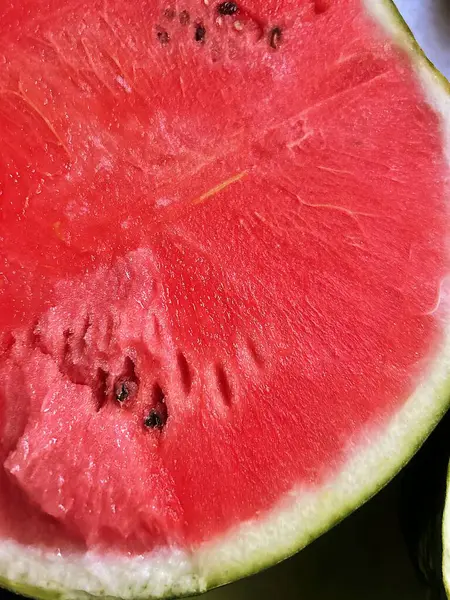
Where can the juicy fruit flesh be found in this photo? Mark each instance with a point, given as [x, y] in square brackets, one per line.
[246, 227]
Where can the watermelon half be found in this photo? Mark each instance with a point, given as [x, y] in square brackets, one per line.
[224, 308]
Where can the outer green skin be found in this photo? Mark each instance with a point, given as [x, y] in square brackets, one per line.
[404, 26]
[26, 590]
[415, 440]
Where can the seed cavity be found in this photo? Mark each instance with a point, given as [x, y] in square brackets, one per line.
[86, 326]
[185, 372]
[127, 385]
[158, 395]
[170, 14]
[67, 362]
[35, 338]
[223, 384]
[154, 420]
[227, 8]
[184, 17]
[100, 388]
[163, 37]
[76, 362]
[121, 391]
[200, 33]
[275, 37]
[7, 342]
[254, 352]
[158, 415]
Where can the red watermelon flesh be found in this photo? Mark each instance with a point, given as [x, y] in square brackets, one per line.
[223, 238]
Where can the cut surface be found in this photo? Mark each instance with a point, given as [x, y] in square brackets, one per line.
[223, 293]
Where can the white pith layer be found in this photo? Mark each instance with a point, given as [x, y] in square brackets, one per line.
[302, 514]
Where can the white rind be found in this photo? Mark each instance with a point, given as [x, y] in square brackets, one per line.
[303, 514]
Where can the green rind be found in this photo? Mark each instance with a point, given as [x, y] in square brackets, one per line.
[29, 590]
[334, 508]
[404, 27]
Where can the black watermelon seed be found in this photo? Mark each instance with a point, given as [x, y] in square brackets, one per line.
[121, 391]
[154, 420]
[227, 8]
[200, 33]
[158, 415]
[275, 36]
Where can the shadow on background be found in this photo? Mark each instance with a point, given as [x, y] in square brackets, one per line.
[441, 22]
[364, 557]
[430, 23]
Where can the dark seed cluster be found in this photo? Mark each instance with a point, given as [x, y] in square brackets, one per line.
[227, 8]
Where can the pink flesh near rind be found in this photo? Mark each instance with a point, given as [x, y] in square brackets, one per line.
[260, 231]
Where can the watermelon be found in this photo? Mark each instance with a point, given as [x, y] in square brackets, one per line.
[223, 282]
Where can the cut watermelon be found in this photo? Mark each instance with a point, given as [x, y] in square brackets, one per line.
[224, 299]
